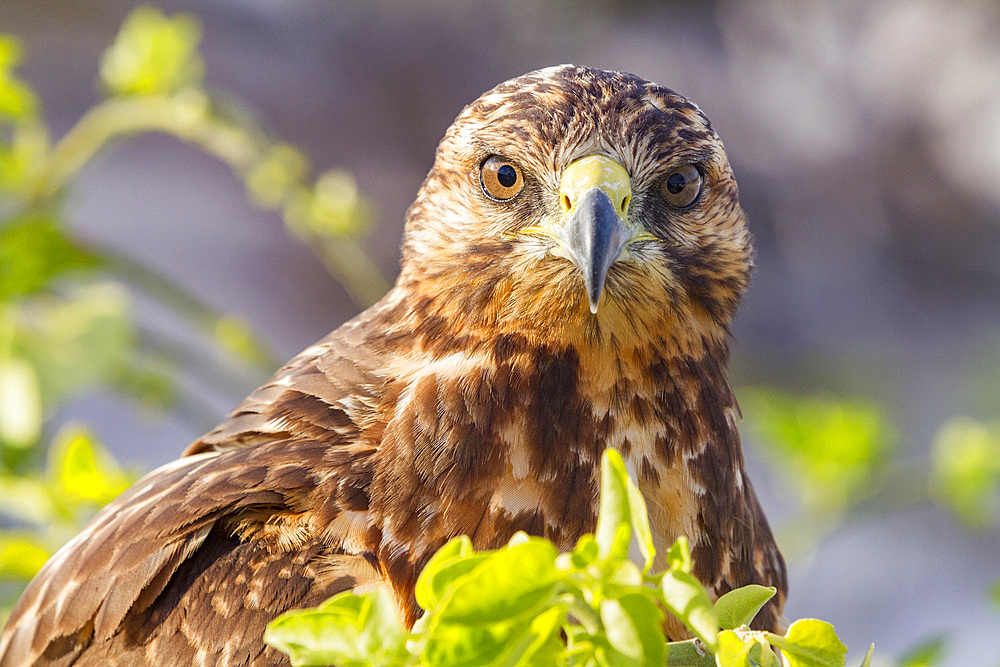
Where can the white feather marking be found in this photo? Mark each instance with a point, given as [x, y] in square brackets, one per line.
[349, 529]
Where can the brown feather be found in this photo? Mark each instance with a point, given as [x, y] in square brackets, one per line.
[476, 398]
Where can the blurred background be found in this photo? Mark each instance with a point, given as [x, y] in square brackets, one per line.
[182, 212]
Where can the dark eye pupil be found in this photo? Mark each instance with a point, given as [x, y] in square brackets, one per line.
[675, 183]
[506, 176]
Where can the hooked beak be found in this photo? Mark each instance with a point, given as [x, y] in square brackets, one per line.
[595, 192]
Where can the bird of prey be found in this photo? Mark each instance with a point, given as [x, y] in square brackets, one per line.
[569, 270]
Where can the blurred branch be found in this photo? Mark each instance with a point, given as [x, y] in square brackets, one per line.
[225, 330]
[186, 115]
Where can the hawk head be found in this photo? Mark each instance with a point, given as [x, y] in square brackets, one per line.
[582, 202]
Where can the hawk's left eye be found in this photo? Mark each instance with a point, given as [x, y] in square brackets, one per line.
[501, 179]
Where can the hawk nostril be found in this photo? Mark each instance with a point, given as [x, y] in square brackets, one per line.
[625, 203]
[566, 203]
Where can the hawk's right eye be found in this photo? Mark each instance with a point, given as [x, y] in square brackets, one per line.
[501, 178]
[682, 186]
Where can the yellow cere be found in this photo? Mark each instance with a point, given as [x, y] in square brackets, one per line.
[595, 171]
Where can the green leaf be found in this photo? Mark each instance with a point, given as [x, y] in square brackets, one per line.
[640, 524]
[431, 584]
[273, 179]
[739, 606]
[686, 598]
[679, 555]
[21, 555]
[927, 654]
[20, 404]
[622, 510]
[541, 644]
[632, 625]
[733, 650]
[867, 662]
[613, 516]
[153, 54]
[82, 470]
[235, 335]
[811, 643]
[458, 547]
[830, 448]
[17, 101]
[451, 645]
[744, 649]
[689, 654]
[27, 499]
[332, 209]
[586, 551]
[510, 583]
[34, 251]
[348, 630]
[27, 147]
[966, 470]
[623, 574]
[507, 643]
[78, 340]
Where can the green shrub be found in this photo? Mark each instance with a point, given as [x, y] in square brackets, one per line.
[527, 604]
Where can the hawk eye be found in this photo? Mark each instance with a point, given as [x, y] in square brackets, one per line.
[501, 179]
[682, 186]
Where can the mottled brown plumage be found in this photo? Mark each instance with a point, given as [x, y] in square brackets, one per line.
[475, 398]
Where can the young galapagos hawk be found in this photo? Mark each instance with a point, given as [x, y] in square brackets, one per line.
[570, 268]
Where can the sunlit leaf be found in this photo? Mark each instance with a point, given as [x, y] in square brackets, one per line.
[541, 644]
[687, 599]
[26, 499]
[679, 555]
[332, 208]
[509, 584]
[20, 403]
[622, 514]
[21, 555]
[83, 470]
[273, 178]
[614, 519]
[733, 650]
[632, 626]
[348, 630]
[28, 147]
[153, 53]
[831, 448]
[586, 551]
[927, 654]
[739, 606]
[966, 470]
[867, 662]
[33, 251]
[236, 336]
[17, 101]
[79, 340]
[811, 643]
[639, 519]
[451, 562]
[690, 653]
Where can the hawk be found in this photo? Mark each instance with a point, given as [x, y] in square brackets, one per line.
[569, 270]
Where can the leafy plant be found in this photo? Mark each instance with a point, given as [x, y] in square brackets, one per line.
[66, 316]
[527, 604]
